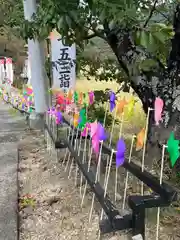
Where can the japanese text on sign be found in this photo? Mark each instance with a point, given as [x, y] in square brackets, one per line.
[63, 58]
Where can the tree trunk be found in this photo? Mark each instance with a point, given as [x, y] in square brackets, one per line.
[160, 82]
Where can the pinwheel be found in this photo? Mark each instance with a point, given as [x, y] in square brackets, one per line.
[60, 100]
[121, 105]
[30, 110]
[101, 133]
[91, 97]
[59, 117]
[173, 149]
[94, 137]
[130, 107]
[70, 95]
[75, 97]
[140, 139]
[49, 111]
[112, 101]
[80, 98]
[23, 106]
[97, 135]
[76, 119]
[29, 91]
[82, 119]
[158, 108]
[53, 112]
[120, 152]
[85, 131]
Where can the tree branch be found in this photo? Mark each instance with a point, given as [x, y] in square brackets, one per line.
[90, 36]
[151, 13]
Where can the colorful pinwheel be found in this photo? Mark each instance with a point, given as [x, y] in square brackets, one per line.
[173, 149]
[120, 152]
[158, 108]
[112, 101]
[91, 97]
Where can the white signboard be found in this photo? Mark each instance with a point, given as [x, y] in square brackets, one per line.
[63, 60]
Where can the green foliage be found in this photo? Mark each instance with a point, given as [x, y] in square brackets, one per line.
[148, 24]
[77, 22]
[97, 111]
[27, 201]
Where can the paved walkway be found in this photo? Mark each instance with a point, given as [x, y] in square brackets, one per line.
[12, 128]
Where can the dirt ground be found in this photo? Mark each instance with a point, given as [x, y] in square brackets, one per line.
[56, 213]
[55, 210]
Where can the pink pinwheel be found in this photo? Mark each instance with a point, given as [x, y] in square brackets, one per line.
[158, 108]
[97, 135]
[94, 136]
[112, 101]
[120, 154]
[85, 131]
[91, 97]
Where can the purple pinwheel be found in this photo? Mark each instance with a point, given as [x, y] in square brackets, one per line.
[101, 132]
[59, 117]
[120, 154]
[49, 111]
[112, 101]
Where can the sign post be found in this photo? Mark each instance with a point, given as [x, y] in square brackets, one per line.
[63, 62]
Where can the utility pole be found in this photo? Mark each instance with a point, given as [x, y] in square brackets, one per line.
[37, 66]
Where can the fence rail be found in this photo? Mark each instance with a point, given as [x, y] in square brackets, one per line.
[163, 194]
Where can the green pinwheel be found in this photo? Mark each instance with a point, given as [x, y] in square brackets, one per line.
[173, 149]
[75, 97]
[82, 119]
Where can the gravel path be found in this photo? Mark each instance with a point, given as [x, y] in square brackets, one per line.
[11, 131]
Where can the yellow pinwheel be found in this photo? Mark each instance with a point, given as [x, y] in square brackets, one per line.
[76, 119]
[130, 107]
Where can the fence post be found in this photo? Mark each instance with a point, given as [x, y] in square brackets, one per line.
[138, 222]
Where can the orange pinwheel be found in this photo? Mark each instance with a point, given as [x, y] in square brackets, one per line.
[120, 105]
[76, 119]
[140, 139]
[70, 95]
[80, 98]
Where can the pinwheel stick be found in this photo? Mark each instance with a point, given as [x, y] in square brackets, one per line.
[71, 166]
[110, 143]
[127, 173]
[83, 161]
[144, 148]
[116, 173]
[69, 134]
[160, 181]
[89, 164]
[107, 179]
[68, 137]
[79, 150]
[96, 180]
[69, 155]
